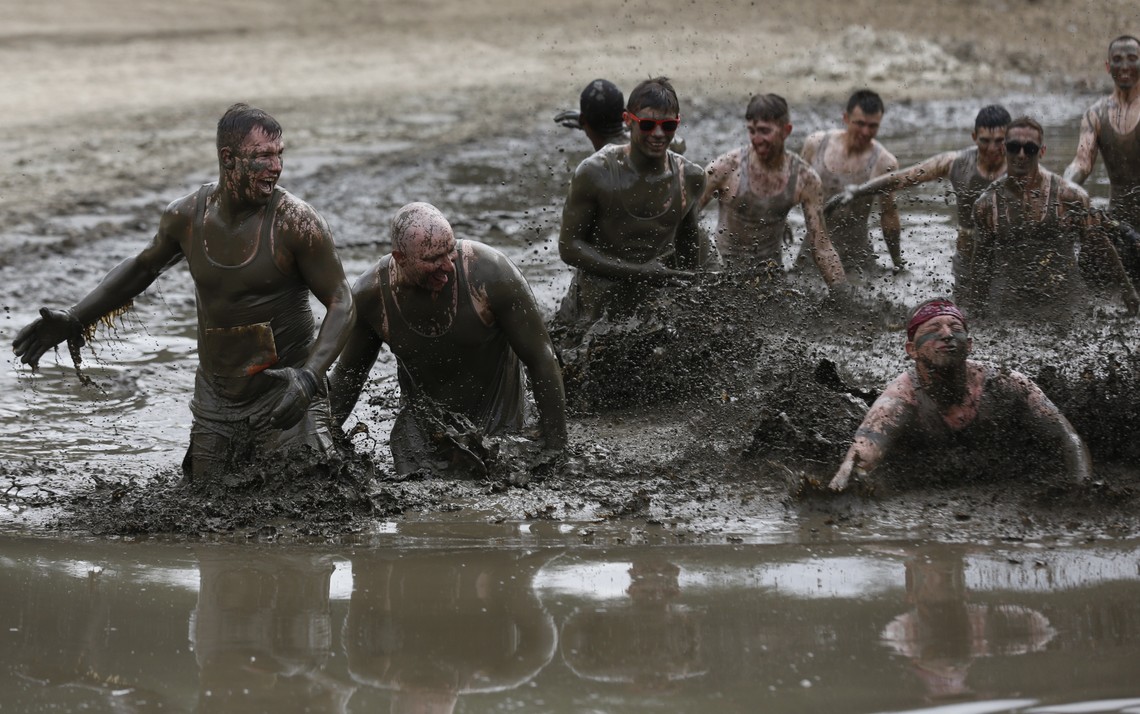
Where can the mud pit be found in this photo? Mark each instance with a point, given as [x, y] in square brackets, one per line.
[726, 425]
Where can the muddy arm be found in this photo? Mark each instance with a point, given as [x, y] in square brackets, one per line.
[886, 419]
[1082, 164]
[981, 260]
[359, 353]
[889, 220]
[322, 271]
[514, 308]
[689, 234]
[1094, 240]
[717, 175]
[810, 190]
[935, 167]
[1053, 424]
[121, 285]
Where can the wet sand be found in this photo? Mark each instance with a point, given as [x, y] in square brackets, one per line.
[124, 106]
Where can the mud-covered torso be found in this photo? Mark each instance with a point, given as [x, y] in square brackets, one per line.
[1034, 252]
[251, 314]
[469, 367]
[638, 218]
[1121, 152]
[847, 224]
[968, 184]
[751, 228]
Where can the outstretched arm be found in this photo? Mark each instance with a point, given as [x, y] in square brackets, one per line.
[1053, 423]
[936, 167]
[886, 419]
[121, 285]
[1082, 164]
[513, 306]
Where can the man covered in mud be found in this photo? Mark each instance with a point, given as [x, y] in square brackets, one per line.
[600, 109]
[756, 186]
[630, 222]
[459, 317]
[1031, 227]
[969, 171]
[853, 155]
[255, 253]
[1112, 127]
[955, 418]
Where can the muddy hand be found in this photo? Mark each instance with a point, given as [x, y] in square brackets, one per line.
[569, 119]
[301, 387]
[844, 197]
[51, 328]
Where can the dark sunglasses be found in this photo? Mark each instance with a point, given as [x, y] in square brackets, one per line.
[647, 125]
[1013, 148]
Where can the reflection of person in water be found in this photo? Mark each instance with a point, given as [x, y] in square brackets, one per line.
[955, 416]
[433, 627]
[648, 641]
[262, 632]
[942, 634]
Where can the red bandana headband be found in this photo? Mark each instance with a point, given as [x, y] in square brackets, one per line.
[931, 310]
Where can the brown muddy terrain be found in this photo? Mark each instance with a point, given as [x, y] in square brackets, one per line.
[717, 416]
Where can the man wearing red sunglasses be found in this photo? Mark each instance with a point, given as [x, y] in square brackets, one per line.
[630, 222]
[1031, 226]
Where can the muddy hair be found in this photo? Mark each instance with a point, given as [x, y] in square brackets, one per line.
[1122, 38]
[868, 101]
[995, 116]
[767, 107]
[655, 93]
[600, 105]
[239, 120]
[1023, 122]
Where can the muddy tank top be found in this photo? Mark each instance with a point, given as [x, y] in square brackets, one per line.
[657, 234]
[1035, 270]
[968, 184]
[256, 315]
[847, 225]
[751, 229]
[470, 368]
[1121, 154]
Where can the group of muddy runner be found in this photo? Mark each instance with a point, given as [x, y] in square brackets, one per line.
[462, 322]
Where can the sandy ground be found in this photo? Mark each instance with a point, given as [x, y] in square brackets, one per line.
[121, 97]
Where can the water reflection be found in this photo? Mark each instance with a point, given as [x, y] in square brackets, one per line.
[262, 633]
[433, 627]
[942, 634]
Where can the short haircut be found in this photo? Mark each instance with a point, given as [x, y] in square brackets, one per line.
[655, 93]
[995, 116]
[239, 120]
[1122, 38]
[415, 215]
[866, 100]
[600, 105]
[767, 107]
[1026, 122]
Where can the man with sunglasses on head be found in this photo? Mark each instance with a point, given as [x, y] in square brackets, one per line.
[756, 186]
[1031, 227]
[630, 222]
[969, 171]
[950, 417]
[847, 156]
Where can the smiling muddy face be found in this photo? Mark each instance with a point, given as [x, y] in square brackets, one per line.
[1124, 62]
[256, 166]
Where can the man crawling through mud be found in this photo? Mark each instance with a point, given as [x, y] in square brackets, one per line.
[957, 419]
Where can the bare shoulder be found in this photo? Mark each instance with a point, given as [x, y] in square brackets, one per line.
[886, 161]
[805, 174]
[724, 165]
[1071, 193]
[900, 390]
[297, 219]
[486, 264]
[180, 212]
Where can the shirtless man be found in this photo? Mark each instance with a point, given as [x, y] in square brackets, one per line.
[970, 171]
[255, 253]
[1031, 225]
[954, 414]
[459, 317]
[852, 155]
[755, 187]
[630, 222]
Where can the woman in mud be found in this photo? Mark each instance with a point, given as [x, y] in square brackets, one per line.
[953, 416]
[255, 253]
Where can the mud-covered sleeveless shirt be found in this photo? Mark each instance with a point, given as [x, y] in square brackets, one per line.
[256, 316]
[470, 368]
[847, 224]
[968, 184]
[1121, 154]
[751, 229]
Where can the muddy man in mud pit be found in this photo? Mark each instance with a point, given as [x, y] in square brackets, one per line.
[600, 108]
[630, 222]
[852, 155]
[969, 171]
[955, 418]
[255, 252]
[756, 186]
[1031, 227]
[1112, 127]
[460, 317]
